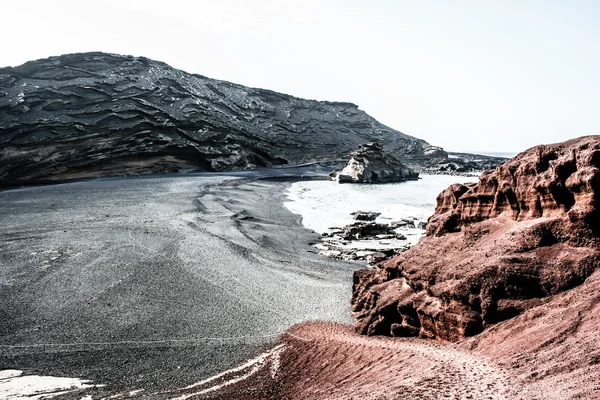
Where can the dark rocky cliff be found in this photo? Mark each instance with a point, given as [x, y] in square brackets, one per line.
[96, 114]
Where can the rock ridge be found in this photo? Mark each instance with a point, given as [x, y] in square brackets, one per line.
[96, 114]
[527, 231]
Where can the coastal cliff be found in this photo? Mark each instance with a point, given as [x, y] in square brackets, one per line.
[97, 114]
[527, 231]
[514, 253]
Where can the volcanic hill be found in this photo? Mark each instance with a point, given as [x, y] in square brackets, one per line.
[96, 114]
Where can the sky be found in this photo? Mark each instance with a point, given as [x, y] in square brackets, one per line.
[474, 75]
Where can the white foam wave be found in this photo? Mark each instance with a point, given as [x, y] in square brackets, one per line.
[325, 204]
[16, 386]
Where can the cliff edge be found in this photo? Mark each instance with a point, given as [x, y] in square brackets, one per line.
[527, 231]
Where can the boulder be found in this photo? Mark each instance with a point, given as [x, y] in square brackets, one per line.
[408, 222]
[435, 152]
[336, 242]
[370, 164]
[443, 163]
[365, 230]
[365, 215]
[526, 231]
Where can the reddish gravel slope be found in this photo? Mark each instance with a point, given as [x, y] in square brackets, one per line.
[548, 353]
[552, 350]
[321, 360]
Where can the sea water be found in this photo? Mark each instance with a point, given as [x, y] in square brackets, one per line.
[327, 204]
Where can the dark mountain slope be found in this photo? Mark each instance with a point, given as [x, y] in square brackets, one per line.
[96, 114]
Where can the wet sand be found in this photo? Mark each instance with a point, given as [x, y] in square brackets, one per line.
[155, 283]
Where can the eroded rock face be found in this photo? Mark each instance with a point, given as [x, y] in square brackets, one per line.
[371, 164]
[97, 114]
[527, 230]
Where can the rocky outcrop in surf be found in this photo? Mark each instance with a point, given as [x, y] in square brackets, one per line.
[526, 231]
[443, 163]
[371, 164]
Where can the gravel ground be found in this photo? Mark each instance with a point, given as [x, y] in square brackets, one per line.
[328, 361]
[154, 283]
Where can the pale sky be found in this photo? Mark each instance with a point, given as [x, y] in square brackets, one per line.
[465, 75]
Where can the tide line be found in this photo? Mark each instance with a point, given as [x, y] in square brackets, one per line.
[149, 342]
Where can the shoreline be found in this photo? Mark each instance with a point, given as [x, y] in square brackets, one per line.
[267, 368]
[309, 171]
[318, 356]
[218, 223]
[317, 170]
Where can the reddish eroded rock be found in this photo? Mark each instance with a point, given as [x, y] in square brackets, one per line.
[545, 181]
[527, 230]
[551, 349]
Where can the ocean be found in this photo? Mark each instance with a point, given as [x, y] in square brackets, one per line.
[326, 204]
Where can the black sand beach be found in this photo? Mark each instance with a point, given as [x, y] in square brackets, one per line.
[156, 282]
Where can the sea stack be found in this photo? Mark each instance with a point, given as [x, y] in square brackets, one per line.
[370, 164]
[524, 234]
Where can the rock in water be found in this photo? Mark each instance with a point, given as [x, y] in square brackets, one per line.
[444, 163]
[361, 230]
[96, 114]
[370, 164]
[526, 231]
[365, 215]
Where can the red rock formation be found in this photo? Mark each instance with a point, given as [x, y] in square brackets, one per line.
[527, 230]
